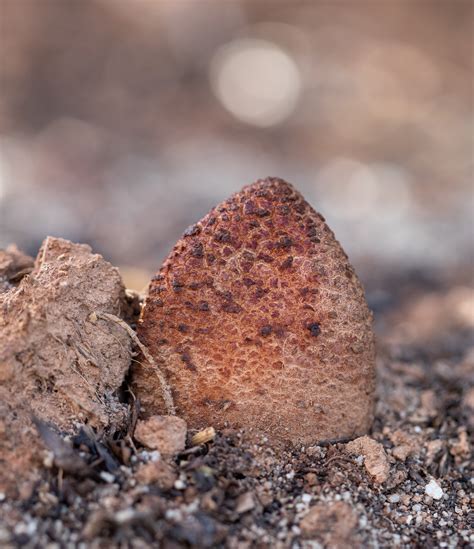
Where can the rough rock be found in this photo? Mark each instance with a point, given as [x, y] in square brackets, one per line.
[434, 490]
[375, 458]
[405, 444]
[245, 502]
[167, 434]
[157, 472]
[331, 524]
[258, 320]
[54, 363]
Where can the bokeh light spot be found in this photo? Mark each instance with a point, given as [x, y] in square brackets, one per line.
[256, 81]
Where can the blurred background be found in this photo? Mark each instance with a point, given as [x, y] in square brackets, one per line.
[123, 121]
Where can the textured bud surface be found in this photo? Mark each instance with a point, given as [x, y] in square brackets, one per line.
[258, 319]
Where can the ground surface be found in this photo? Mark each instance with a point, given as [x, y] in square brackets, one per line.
[237, 491]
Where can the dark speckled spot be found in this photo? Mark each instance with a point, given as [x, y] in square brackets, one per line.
[285, 242]
[231, 307]
[249, 207]
[260, 292]
[300, 208]
[197, 250]
[266, 258]
[314, 329]
[186, 358]
[223, 236]
[192, 230]
[177, 285]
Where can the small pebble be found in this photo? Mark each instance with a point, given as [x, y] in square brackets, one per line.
[245, 502]
[107, 477]
[434, 490]
[180, 485]
[393, 498]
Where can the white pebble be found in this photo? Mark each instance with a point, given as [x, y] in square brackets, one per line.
[124, 516]
[393, 498]
[108, 477]
[306, 498]
[174, 514]
[179, 485]
[434, 490]
[155, 456]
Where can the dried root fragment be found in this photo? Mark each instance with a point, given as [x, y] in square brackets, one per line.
[165, 389]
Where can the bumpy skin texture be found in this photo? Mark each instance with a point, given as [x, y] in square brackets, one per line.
[258, 319]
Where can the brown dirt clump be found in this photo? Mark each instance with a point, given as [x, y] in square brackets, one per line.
[167, 434]
[334, 525]
[375, 459]
[259, 320]
[55, 363]
[14, 265]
